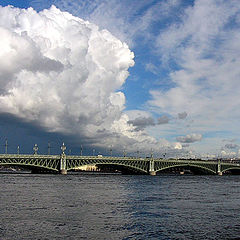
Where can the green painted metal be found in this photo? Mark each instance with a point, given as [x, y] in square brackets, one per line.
[63, 163]
[47, 162]
[140, 164]
[230, 166]
[165, 164]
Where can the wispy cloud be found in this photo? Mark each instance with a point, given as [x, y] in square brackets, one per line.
[204, 46]
[127, 20]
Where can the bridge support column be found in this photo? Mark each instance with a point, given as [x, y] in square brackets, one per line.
[219, 172]
[151, 171]
[63, 164]
[63, 161]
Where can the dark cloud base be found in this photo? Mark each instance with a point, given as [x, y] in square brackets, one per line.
[25, 134]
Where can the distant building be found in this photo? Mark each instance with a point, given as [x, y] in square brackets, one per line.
[89, 168]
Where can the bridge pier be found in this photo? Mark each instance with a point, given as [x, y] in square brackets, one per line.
[219, 172]
[152, 171]
[63, 161]
[63, 165]
[63, 171]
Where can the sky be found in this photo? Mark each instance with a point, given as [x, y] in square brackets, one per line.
[138, 76]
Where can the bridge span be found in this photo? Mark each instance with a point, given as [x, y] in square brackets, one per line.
[63, 163]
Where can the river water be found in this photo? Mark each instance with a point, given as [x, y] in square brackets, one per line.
[108, 206]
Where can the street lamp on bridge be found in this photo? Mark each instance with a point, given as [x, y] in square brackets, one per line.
[81, 152]
[35, 149]
[6, 146]
[137, 153]
[124, 152]
[111, 151]
[63, 148]
[49, 148]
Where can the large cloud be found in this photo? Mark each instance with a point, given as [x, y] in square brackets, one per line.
[62, 72]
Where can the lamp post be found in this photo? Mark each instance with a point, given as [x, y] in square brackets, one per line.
[137, 153]
[111, 151]
[81, 152]
[151, 153]
[6, 146]
[49, 148]
[124, 152]
[63, 161]
[35, 149]
[63, 148]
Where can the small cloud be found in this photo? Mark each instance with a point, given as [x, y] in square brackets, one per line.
[163, 119]
[178, 145]
[190, 138]
[142, 122]
[231, 146]
[182, 115]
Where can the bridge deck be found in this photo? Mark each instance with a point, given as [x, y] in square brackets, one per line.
[144, 165]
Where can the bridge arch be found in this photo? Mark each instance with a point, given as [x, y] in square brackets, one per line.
[32, 167]
[192, 167]
[38, 163]
[232, 170]
[122, 167]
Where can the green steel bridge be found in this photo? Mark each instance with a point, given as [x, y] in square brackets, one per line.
[63, 163]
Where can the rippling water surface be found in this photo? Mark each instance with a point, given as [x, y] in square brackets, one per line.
[98, 206]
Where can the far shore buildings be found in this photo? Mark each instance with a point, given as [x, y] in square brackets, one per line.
[89, 168]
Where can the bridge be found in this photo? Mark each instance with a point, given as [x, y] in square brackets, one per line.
[63, 163]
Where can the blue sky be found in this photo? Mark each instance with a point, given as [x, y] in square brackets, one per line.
[178, 94]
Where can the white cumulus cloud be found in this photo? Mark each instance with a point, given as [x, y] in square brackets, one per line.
[61, 71]
[65, 74]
